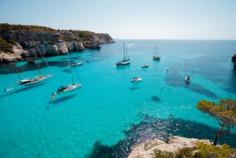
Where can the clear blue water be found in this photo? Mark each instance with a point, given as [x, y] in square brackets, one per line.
[107, 104]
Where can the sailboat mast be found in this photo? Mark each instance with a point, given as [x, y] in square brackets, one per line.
[70, 63]
[124, 49]
[37, 63]
[156, 51]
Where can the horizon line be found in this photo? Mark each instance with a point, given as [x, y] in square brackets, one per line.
[125, 38]
[183, 39]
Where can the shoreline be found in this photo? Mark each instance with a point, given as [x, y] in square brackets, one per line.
[19, 42]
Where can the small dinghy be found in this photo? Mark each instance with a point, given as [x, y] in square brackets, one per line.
[136, 79]
[65, 89]
[34, 80]
[145, 66]
[8, 89]
[187, 80]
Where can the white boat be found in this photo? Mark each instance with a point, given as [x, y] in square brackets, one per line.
[76, 63]
[125, 60]
[156, 55]
[145, 66]
[8, 89]
[68, 88]
[187, 80]
[31, 80]
[65, 89]
[136, 79]
[34, 80]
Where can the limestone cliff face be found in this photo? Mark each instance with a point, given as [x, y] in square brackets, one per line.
[173, 145]
[47, 41]
[104, 38]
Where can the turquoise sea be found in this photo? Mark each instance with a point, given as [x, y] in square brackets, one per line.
[108, 113]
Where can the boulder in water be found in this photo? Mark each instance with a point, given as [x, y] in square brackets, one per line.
[234, 58]
[156, 99]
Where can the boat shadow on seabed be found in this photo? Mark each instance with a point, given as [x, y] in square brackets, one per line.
[62, 99]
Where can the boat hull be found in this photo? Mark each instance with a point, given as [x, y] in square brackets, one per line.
[136, 80]
[70, 89]
[156, 58]
[34, 80]
[122, 63]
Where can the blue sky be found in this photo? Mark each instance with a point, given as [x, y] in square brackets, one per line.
[139, 19]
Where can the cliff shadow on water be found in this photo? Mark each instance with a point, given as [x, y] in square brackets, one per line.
[13, 68]
[150, 128]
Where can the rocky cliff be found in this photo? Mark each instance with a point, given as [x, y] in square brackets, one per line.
[31, 40]
[176, 147]
[234, 58]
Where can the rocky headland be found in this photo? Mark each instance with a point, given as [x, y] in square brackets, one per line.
[181, 147]
[18, 42]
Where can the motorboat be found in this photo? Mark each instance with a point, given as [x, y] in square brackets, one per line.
[136, 79]
[187, 80]
[76, 63]
[145, 66]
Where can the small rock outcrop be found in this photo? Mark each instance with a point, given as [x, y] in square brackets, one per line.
[62, 47]
[92, 44]
[46, 41]
[104, 38]
[234, 58]
[173, 145]
[14, 55]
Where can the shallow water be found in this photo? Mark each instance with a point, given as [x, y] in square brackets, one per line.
[108, 104]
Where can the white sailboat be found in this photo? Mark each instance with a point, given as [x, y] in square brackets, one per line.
[156, 54]
[126, 59]
[68, 87]
[35, 79]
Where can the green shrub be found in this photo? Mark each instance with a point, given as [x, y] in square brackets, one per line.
[202, 150]
[33, 28]
[162, 154]
[205, 150]
[185, 153]
[84, 35]
[6, 46]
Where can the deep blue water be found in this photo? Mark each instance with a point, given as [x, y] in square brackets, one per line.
[108, 104]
